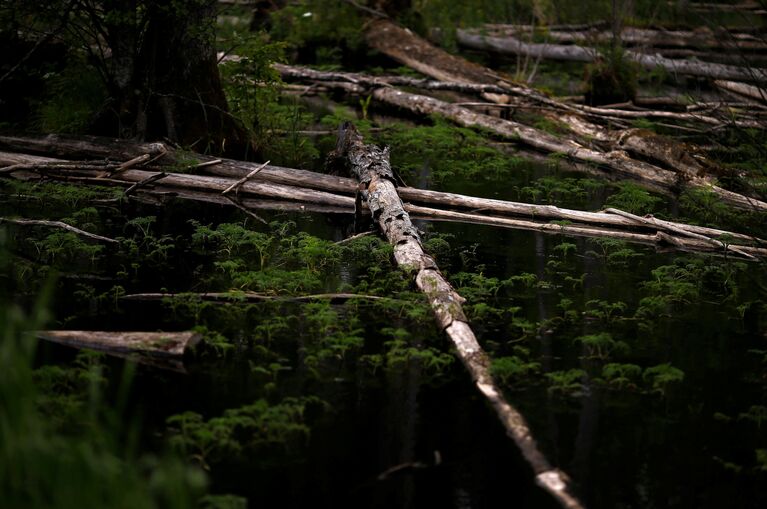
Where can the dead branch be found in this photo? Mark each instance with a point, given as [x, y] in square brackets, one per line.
[57, 224]
[371, 167]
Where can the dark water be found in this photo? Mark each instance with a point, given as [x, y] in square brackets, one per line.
[402, 437]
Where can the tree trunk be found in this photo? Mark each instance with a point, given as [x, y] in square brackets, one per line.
[571, 52]
[371, 167]
[164, 80]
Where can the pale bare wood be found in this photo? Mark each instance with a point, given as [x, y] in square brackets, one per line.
[743, 89]
[371, 166]
[235, 296]
[56, 224]
[615, 160]
[158, 344]
[575, 53]
[348, 187]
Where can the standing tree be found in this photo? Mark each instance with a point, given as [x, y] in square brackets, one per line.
[158, 62]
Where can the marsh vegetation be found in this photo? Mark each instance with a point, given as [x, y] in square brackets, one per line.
[322, 378]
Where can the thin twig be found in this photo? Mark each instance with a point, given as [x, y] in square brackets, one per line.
[146, 181]
[244, 179]
[56, 224]
[243, 208]
[358, 236]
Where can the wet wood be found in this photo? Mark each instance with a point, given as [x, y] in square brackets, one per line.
[658, 39]
[238, 296]
[371, 166]
[617, 161]
[574, 53]
[743, 89]
[664, 236]
[200, 191]
[158, 344]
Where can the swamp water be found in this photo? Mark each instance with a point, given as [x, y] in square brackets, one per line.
[642, 374]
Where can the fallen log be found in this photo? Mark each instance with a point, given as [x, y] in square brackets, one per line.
[56, 224]
[371, 166]
[407, 48]
[200, 189]
[574, 53]
[157, 344]
[743, 89]
[632, 36]
[239, 296]
[615, 160]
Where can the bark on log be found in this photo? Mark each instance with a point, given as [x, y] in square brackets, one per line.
[331, 184]
[743, 89]
[157, 344]
[615, 160]
[404, 46]
[722, 40]
[513, 46]
[371, 166]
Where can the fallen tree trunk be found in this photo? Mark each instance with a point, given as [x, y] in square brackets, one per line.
[365, 83]
[617, 161]
[198, 188]
[371, 166]
[158, 344]
[697, 39]
[574, 53]
[407, 48]
[743, 89]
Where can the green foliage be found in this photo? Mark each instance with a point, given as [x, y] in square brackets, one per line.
[401, 352]
[71, 98]
[246, 429]
[601, 345]
[442, 151]
[566, 382]
[554, 189]
[621, 375]
[634, 199]
[612, 78]
[316, 25]
[662, 376]
[512, 370]
[45, 463]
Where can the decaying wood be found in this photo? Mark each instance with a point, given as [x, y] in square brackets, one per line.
[238, 296]
[743, 89]
[633, 36]
[157, 344]
[595, 223]
[615, 160]
[371, 166]
[665, 236]
[575, 53]
[56, 224]
[407, 48]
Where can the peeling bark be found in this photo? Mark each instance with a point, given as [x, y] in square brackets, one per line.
[371, 166]
[616, 160]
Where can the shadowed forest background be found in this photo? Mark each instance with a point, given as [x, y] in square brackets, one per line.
[591, 177]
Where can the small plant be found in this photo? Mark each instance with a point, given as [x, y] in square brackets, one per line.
[611, 79]
[513, 370]
[662, 376]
